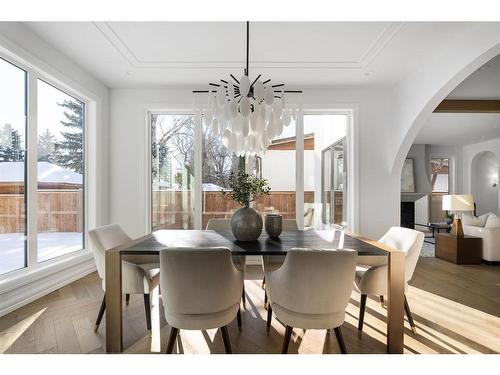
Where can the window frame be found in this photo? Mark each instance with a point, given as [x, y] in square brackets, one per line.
[350, 110]
[33, 74]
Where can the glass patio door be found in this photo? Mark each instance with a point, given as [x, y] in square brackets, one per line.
[334, 184]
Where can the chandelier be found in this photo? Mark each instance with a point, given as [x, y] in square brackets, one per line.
[247, 114]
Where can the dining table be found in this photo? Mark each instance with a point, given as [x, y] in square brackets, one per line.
[147, 249]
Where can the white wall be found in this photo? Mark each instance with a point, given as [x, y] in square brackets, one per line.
[468, 155]
[484, 184]
[378, 190]
[278, 167]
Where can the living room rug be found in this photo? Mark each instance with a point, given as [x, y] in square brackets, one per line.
[427, 249]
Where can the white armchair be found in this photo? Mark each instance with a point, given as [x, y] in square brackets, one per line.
[238, 260]
[203, 290]
[136, 278]
[372, 279]
[311, 291]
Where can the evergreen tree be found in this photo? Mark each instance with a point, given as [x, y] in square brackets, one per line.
[70, 149]
[11, 145]
[47, 147]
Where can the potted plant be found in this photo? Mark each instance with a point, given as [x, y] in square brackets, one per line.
[449, 217]
[246, 223]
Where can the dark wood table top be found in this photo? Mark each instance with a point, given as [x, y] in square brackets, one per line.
[162, 239]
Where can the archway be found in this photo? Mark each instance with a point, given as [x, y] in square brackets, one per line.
[484, 182]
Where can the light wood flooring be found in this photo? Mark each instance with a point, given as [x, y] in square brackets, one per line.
[456, 310]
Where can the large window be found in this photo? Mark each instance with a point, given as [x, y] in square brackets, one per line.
[173, 171]
[61, 167]
[12, 167]
[440, 175]
[42, 168]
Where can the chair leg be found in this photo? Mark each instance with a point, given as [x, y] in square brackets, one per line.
[127, 299]
[244, 298]
[269, 317]
[265, 298]
[147, 307]
[286, 340]
[362, 307]
[381, 301]
[101, 313]
[263, 282]
[410, 318]
[340, 340]
[225, 338]
[171, 340]
[238, 318]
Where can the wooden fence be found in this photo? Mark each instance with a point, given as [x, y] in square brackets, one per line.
[58, 211]
[173, 209]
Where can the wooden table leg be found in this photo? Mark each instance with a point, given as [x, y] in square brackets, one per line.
[395, 306]
[114, 328]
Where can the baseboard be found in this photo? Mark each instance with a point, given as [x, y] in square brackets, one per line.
[35, 288]
[491, 262]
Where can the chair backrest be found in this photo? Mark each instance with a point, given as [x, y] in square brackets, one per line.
[219, 224]
[314, 281]
[410, 242]
[290, 224]
[198, 280]
[105, 238]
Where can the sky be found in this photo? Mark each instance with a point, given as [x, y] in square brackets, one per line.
[12, 101]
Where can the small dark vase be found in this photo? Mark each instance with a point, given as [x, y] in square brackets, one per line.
[246, 224]
[274, 225]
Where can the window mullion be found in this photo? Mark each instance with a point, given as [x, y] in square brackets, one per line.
[299, 169]
[198, 163]
[31, 165]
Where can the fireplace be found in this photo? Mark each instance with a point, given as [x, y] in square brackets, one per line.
[408, 215]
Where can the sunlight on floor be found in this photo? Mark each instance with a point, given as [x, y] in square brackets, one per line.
[11, 334]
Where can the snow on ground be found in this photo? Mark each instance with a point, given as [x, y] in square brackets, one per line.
[50, 245]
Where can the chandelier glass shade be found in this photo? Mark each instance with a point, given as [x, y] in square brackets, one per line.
[247, 114]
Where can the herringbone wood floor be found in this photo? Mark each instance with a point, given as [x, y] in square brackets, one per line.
[456, 309]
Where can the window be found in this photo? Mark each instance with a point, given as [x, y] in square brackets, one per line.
[12, 167]
[440, 176]
[172, 171]
[325, 170]
[174, 167]
[49, 172]
[61, 170]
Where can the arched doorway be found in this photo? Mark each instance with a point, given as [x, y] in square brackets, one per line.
[484, 182]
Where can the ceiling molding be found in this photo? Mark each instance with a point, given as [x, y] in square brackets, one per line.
[361, 63]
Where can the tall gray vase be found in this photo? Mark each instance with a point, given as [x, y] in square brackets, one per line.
[246, 224]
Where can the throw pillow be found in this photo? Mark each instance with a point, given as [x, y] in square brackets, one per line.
[493, 222]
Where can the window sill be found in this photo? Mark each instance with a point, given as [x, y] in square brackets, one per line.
[26, 285]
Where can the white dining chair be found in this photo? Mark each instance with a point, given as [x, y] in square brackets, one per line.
[372, 279]
[273, 262]
[238, 260]
[136, 278]
[203, 289]
[311, 291]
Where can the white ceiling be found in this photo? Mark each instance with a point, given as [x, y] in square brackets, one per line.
[301, 54]
[459, 128]
[467, 128]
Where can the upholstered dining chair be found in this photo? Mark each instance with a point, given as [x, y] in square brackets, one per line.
[201, 289]
[372, 279]
[238, 260]
[311, 291]
[136, 278]
[273, 262]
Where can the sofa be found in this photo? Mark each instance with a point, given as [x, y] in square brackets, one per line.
[487, 227]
